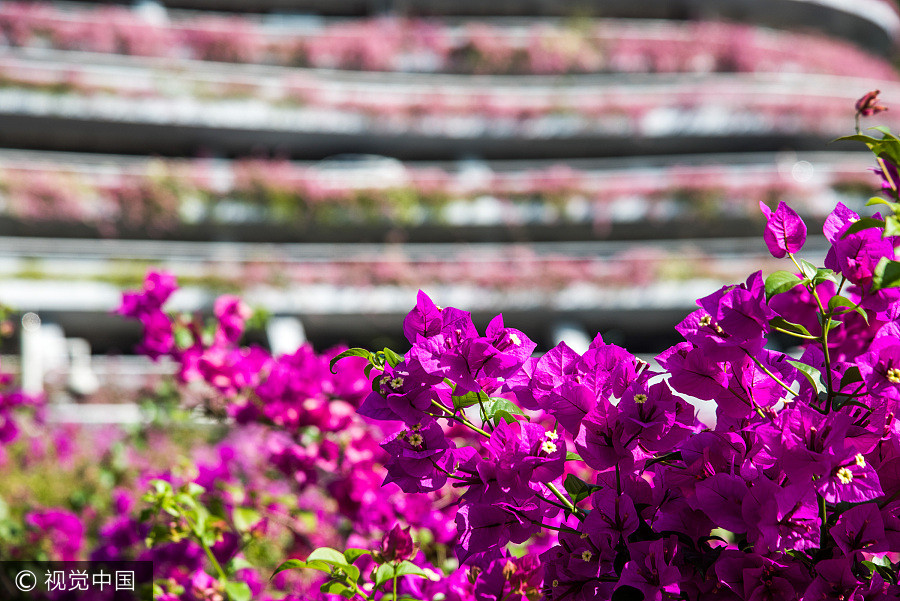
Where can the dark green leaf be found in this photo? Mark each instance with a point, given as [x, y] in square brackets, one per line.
[887, 274]
[353, 352]
[813, 375]
[789, 326]
[290, 564]
[863, 224]
[392, 357]
[851, 376]
[847, 305]
[781, 281]
[673, 456]
[577, 488]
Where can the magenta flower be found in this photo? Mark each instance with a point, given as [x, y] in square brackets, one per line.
[397, 544]
[651, 570]
[859, 529]
[424, 321]
[785, 231]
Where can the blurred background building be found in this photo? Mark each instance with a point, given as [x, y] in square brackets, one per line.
[578, 166]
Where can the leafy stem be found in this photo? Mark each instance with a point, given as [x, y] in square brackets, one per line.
[825, 317]
[462, 420]
[771, 375]
[199, 536]
[564, 499]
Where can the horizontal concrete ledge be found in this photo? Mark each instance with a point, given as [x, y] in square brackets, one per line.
[93, 135]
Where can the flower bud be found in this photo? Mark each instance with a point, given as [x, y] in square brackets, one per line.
[397, 544]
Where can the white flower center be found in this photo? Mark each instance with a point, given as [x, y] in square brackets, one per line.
[845, 475]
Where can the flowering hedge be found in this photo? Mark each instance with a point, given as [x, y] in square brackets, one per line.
[161, 195]
[319, 101]
[590, 46]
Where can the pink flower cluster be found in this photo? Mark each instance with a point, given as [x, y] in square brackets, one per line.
[386, 44]
[434, 109]
[790, 495]
[154, 195]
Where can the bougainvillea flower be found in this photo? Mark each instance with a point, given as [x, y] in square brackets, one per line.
[423, 321]
[785, 232]
[650, 570]
[859, 529]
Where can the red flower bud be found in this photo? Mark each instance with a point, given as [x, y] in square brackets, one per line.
[397, 544]
[867, 105]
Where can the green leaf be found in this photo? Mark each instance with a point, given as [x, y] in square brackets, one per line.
[860, 138]
[384, 573]
[352, 555]
[238, 563]
[336, 587]
[238, 591]
[328, 554]
[789, 327]
[887, 274]
[353, 352]
[674, 455]
[570, 456]
[577, 488]
[245, 518]
[408, 568]
[877, 200]
[885, 130]
[466, 400]
[499, 408]
[842, 400]
[392, 357]
[823, 275]
[781, 281]
[851, 376]
[842, 302]
[809, 270]
[863, 224]
[290, 564]
[813, 375]
[891, 226]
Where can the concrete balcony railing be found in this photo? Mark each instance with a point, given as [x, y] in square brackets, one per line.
[127, 105]
[350, 290]
[520, 46]
[345, 199]
[873, 24]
